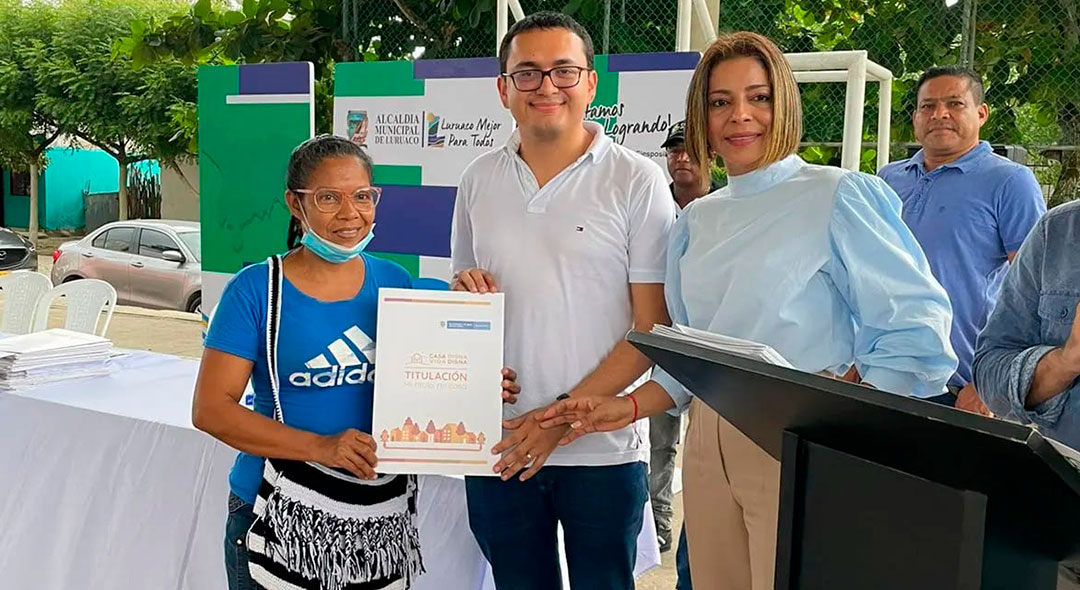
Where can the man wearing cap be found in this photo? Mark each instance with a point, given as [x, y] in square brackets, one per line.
[664, 429]
[686, 178]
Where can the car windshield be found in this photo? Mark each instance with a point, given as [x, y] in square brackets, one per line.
[191, 240]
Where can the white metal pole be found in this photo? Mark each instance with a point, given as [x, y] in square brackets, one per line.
[853, 114]
[884, 121]
[682, 26]
[805, 76]
[708, 29]
[823, 60]
[515, 9]
[501, 18]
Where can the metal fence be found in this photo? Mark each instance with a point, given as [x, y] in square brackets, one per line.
[621, 26]
[1028, 51]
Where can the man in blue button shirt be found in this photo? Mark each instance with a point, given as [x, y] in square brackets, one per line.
[1027, 363]
[969, 208]
[1028, 358]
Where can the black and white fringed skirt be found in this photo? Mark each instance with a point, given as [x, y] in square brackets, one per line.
[350, 535]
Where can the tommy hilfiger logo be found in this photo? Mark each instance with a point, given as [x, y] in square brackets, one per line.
[347, 369]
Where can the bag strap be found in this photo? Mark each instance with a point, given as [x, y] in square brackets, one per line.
[273, 326]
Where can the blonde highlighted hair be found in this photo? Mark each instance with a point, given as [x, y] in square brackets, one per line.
[783, 139]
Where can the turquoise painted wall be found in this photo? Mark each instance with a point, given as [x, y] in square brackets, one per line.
[70, 172]
[17, 211]
[17, 207]
[60, 190]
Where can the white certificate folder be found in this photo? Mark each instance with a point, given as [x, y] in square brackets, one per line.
[438, 380]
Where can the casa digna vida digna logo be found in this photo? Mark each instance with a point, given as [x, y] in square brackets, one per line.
[437, 371]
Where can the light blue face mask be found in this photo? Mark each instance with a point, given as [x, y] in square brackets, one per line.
[330, 251]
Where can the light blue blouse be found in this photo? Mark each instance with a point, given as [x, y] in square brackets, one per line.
[816, 262]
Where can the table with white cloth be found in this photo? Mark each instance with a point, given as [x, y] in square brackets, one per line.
[106, 485]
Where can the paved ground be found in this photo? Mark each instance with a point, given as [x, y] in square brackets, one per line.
[179, 333]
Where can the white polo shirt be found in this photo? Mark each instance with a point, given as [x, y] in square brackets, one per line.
[564, 255]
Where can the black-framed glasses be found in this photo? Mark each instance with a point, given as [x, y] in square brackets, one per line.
[328, 200]
[562, 77]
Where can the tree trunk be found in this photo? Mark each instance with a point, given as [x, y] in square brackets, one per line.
[122, 193]
[1068, 118]
[1068, 183]
[32, 225]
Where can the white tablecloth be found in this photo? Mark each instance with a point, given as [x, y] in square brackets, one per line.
[105, 485]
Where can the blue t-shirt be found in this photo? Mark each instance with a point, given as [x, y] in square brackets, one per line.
[968, 215]
[326, 354]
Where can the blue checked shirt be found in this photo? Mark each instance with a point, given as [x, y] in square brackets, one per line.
[1034, 314]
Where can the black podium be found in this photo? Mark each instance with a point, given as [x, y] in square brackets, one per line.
[882, 492]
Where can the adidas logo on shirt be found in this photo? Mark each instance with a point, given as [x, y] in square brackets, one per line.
[348, 369]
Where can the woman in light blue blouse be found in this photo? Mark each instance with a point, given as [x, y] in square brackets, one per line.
[814, 261]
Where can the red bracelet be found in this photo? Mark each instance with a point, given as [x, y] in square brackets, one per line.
[631, 396]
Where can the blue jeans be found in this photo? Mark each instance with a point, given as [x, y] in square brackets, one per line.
[241, 515]
[601, 511]
[682, 563]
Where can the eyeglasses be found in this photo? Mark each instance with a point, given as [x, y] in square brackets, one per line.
[562, 77]
[328, 200]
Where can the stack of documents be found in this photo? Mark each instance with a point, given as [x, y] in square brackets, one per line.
[719, 342]
[32, 360]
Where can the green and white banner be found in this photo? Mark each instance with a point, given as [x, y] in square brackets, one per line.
[421, 121]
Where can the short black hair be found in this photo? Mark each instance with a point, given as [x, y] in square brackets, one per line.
[306, 157]
[545, 20]
[975, 81]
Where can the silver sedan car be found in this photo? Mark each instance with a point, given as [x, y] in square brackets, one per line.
[152, 263]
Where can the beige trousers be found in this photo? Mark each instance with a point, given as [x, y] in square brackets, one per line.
[731, 491]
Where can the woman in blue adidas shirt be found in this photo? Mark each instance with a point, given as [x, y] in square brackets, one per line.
[325, 350]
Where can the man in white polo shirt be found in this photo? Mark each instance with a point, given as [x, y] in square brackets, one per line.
[573, 229]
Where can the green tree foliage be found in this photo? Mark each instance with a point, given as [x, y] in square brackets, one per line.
[25, 130]
[97, 95]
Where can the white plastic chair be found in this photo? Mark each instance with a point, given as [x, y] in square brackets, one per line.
[86, 300]
[21, 290]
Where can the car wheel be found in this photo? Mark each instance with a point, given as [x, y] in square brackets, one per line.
[195, 303]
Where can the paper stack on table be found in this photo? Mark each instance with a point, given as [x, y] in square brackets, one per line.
[36, 359]
[719, 342]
